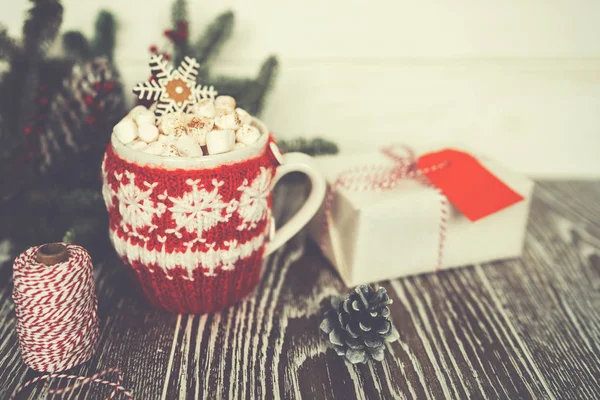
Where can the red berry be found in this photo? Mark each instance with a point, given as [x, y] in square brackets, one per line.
[27, 129]
[167, 56]
[109, 85]
[89, 99]
[43, 100]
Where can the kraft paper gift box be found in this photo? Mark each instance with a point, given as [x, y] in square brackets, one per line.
[380, 235]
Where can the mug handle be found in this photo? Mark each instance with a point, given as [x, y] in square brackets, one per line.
[302, 163]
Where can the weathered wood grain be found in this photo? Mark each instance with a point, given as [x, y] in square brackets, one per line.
[525, 328]
[552, 295]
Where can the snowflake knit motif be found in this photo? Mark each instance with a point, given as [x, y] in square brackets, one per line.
[199, 210]
[173, 89]
[254, 204]
[135, 205]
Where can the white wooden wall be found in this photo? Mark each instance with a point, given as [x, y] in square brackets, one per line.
[516, 79]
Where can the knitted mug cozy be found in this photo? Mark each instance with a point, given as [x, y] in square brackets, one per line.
[192, 237]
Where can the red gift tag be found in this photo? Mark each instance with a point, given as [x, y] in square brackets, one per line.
[466, 183]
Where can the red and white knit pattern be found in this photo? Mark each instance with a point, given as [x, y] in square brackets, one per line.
[56, 309]
[193, 237]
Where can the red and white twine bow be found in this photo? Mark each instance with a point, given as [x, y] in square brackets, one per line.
[376, 178]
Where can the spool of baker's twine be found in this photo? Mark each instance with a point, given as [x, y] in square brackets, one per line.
[56, 309]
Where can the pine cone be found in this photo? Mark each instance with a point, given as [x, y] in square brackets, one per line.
[83, 112]
[359, 324]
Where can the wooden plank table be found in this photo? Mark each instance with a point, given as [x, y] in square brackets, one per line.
[526, 328]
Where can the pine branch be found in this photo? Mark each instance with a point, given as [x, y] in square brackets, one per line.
[41, 27]
[216, 34]
[312, 147]
[234, 87]
[105, 37]
[254, 97]
[8, 46]
[76, 45]
[179, 12]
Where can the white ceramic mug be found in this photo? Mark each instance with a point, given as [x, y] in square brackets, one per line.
[193, 231]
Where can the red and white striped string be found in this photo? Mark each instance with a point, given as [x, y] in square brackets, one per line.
[56, 309]
[81, 380]
[376, 178]
[57, 322]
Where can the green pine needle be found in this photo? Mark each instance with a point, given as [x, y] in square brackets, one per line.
[216, 34]
[105, 36]
[76, 45]
[179, 13]
[8, 46]
[41, 27]
[256, 94]
[313, 147]
[234, 87]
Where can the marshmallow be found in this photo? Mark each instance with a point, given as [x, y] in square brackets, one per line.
[173, 124]
[155, 148]
[137, 144]
[220, 141]
[171, 151]
[165, 139]
[239, 145]
[144, 117]
[227, 119]
[247, 134]
[198, 127]
[125, 130]
[244, 117]
[148, 132]
[204, 108]
[187, 146]
[225, 102]
[136, 110]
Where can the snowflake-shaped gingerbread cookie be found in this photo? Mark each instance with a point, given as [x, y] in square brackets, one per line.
[173, 89]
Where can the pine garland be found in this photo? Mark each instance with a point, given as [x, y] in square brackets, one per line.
[178, 18]
[254, 97]
[209, 44]
[105, 37]
[41, 27]
[76, 45]
[51, 110]
[8, 46]
[249, 93]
